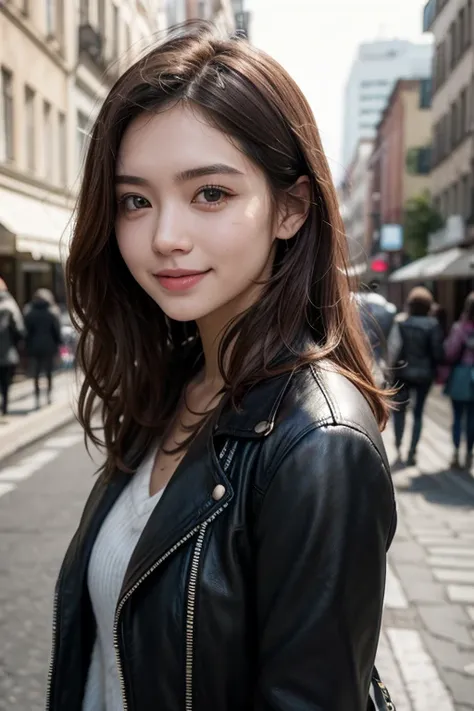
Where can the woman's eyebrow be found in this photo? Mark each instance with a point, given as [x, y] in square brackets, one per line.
[214, 169]
[184, 175]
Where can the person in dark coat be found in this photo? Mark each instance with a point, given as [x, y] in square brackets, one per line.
[12, 330]
[415, 351]
[43, 338]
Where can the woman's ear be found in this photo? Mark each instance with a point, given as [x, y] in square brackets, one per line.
[293, 208]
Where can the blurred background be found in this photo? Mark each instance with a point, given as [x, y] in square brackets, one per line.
[391, 85]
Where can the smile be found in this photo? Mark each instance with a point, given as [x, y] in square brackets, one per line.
[179, 280]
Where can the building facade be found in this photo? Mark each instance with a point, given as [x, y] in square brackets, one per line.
[57, 60]
[400, 165]
[451, 23]
[355, 207]
[375, 71]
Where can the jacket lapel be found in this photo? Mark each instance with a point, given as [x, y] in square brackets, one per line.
[186, 503]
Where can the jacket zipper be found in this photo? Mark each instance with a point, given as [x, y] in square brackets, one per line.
[54, 644]
[200, 530]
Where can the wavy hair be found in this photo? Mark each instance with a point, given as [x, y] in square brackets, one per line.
[135, 360]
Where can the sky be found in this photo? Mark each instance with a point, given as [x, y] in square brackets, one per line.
[316, 41]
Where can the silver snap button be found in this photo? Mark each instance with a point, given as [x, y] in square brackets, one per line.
[218, 493]
[263, 427]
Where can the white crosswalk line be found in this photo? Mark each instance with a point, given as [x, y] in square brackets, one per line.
[467, 552]
[425, 688]
[6, 488]
[28, 466]
[390, 674]
[438, 561]
[446, 575]
[63, 441]
[461, 593]
[394, 596]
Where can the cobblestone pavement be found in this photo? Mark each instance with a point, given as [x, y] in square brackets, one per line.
[426, 652]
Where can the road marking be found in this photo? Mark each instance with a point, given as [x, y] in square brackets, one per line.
[28, 466]
[442, 541]
[390, 674]
[461, 593]
[445, 575]
[6, 488]
[425, 688]
[457, 552]
[439, 561]
[63, 441]
[394, 596]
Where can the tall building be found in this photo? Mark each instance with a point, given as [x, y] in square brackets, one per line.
[218, 11]
[57, 60]
[378, 66]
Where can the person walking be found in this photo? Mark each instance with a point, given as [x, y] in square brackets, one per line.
[232, 552]
[378, 316]
[43, 338]
[12, 331]
[459, 351]
[416, 348]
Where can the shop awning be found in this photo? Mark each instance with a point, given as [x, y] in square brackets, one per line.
[433, 266]
[41, 229]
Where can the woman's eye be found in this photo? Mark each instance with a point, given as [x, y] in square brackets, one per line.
[132, 203]
[211, 196]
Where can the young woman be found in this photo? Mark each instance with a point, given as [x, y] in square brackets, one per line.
[232, 552]
[459, 350]
[420, 352]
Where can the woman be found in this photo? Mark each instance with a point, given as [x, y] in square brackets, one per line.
[232, 552]
[420, 351]
[459, 351]
[43, 338]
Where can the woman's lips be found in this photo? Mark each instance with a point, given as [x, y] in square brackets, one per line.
[181, 282]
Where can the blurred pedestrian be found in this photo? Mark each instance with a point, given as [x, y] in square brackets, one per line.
[416, 348]
[12, 331]
[459, 350]
[232, 553]
[377, 315]
[43, 338]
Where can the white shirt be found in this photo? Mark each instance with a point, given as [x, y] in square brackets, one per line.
[111, 554]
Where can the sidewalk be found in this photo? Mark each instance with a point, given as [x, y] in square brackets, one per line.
[24, 424]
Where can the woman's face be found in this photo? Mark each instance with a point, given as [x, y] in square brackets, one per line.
[194, 219]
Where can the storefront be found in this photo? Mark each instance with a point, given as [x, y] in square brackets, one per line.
[34, 238]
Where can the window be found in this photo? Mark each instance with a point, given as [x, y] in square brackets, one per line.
[425, 93]
[25, 8]
[454, 125]
[115, 32]
[102, 25]
[452, 44]
[463, 119]
[82, 137]
[62, 149]
[48, 141]
[50, 18]
[468, 28]
[201, 9]
[60, 21]
[454, 199]
[30, 141]
[461, 32]
[128, 37]
[84, 12]
[466, 197]
[7, 114]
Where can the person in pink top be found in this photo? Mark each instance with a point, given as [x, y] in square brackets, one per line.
[459, 352]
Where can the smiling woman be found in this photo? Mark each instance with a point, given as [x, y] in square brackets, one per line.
[232, 552]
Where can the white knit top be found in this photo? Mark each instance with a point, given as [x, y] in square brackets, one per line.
[110, 557]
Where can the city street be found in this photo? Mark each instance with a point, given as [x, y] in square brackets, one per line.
[426, 653]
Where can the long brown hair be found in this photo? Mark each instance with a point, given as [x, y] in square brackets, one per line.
[136, 360]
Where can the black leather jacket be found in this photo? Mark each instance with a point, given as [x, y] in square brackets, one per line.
[422, 349]
[258, 582]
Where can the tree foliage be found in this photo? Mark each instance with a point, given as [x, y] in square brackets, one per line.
[421, 219]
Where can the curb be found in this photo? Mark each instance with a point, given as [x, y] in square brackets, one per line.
[35, 426]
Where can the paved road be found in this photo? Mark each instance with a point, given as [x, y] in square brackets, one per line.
[426, 651]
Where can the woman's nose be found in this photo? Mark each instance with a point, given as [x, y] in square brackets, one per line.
[171, 236]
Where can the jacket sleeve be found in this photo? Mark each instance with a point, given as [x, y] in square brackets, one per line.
[437, 345]
[454, 343]
[322, 532]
